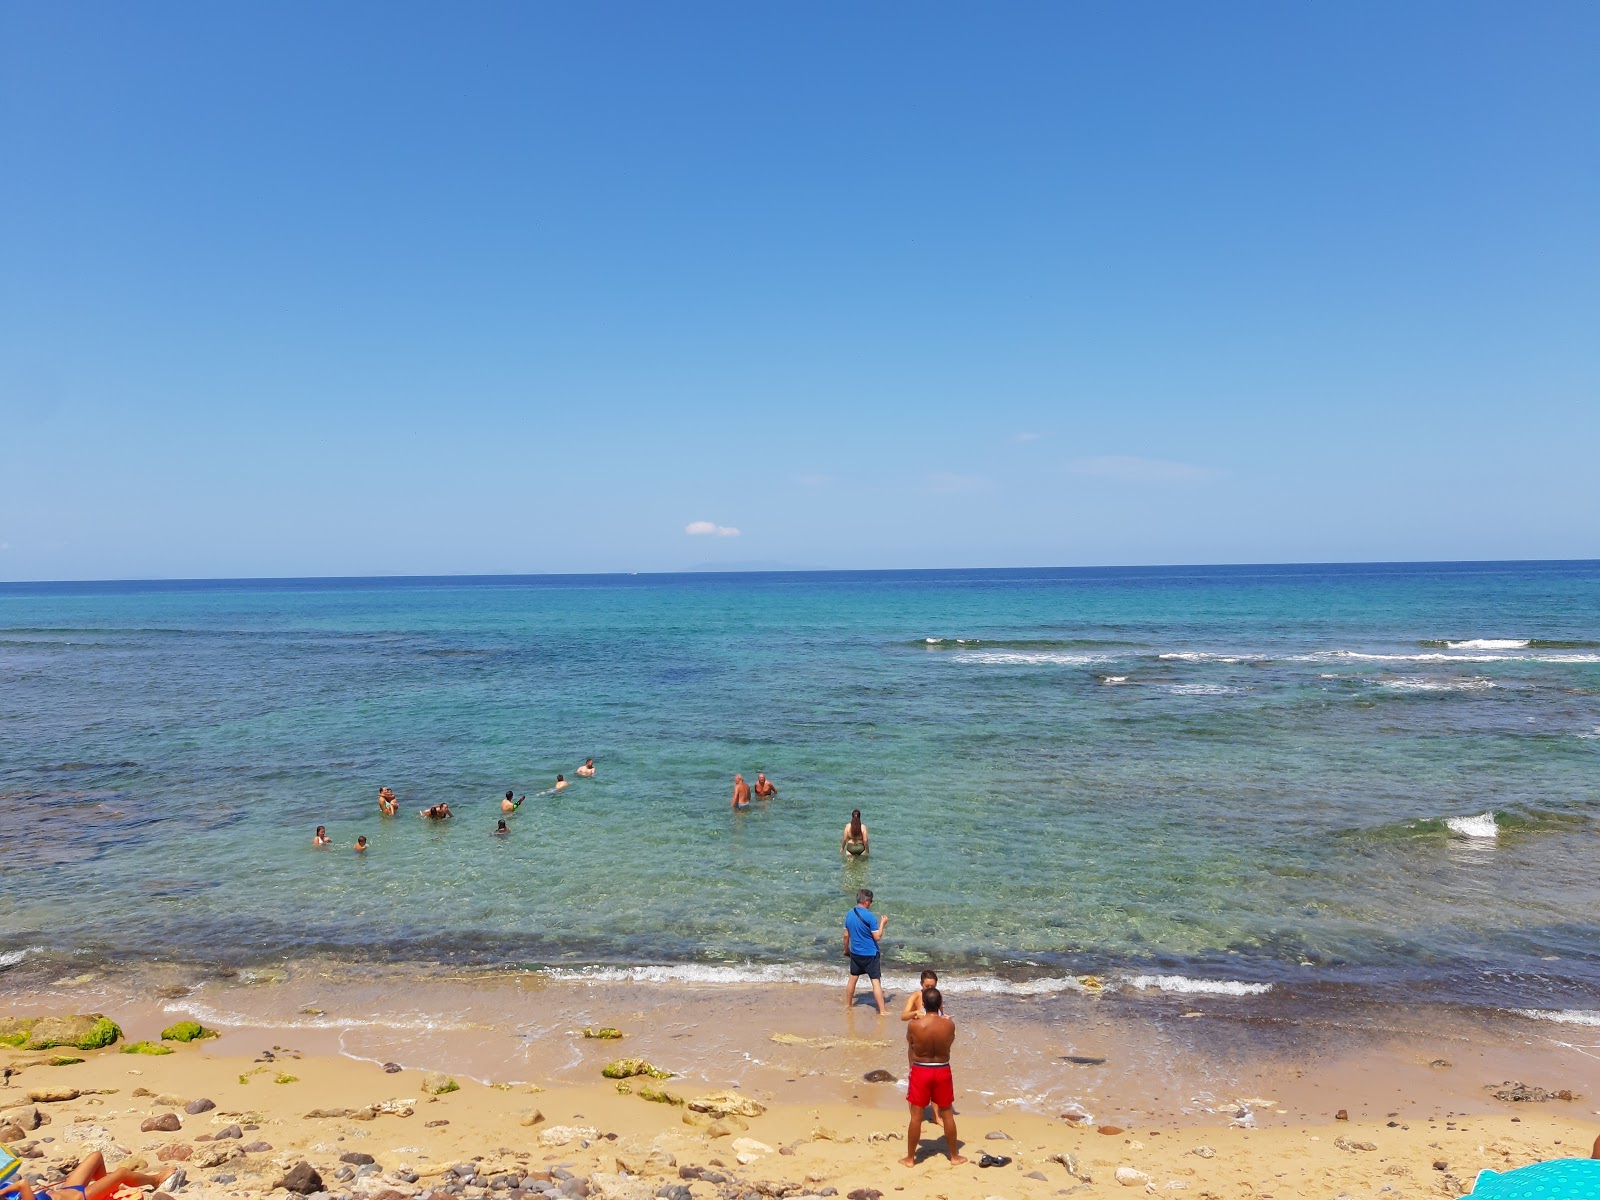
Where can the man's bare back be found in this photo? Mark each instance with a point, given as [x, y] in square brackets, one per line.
[930, 1037]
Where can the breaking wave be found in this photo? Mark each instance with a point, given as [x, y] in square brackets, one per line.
[1481, 826]
[1198, 987]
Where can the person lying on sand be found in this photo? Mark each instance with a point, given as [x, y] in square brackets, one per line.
[913, 1008]
[587, 770]
[90, 1179]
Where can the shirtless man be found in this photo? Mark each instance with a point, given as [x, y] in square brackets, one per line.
[929, 1039]
[561, 784]
[764, 787]
[510, 805]
[388, 803]
[741, 792]
[587, 770]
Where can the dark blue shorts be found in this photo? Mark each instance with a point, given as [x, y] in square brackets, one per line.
[870, 965]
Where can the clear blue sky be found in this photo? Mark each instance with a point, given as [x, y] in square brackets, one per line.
[394, 288]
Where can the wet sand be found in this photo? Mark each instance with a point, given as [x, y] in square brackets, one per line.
[1259, 1085]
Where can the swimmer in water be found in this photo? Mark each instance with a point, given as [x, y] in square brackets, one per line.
[854, 842]
[321, 838]
[388, 805]
[510, 805]
[439, 812]
[764, 787]
[561, 784]
[502, 829]
[587, 770]
[741, 792]
[361, 844]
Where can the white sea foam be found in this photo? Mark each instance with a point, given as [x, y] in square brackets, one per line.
[1113, 679]
[1203, 656]
[1201, 987]
[208, 1015]
[811, 975]
[1202, 689]
[1012, 658]
[1480, 826]
[1436, 656]
[10, 958]
[1561, 1016]
[1489, 644]
[1418, 683]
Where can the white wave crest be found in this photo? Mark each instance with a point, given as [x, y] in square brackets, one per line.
[1480, 826]
[1013, 658]
[210, 1016]
[1202, 656]
[1437, 656]
[1202, 987]
[10, 958]
[1561, 1016]
[1418, 683]
[1202, 689]
[807, 974]
[1489, 644]
[1113, 679]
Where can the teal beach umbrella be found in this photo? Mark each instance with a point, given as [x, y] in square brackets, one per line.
[1559, 1179]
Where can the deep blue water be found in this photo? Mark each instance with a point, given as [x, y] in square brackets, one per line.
[1228, 773]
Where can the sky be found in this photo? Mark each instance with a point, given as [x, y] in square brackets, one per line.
[389, 288]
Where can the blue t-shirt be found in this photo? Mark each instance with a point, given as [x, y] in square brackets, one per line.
[861, 924]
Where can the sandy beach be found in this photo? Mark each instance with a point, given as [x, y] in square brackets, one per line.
[812, 1123]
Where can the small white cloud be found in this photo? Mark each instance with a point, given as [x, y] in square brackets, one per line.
[1027, 437]
[709, 529]
[948, 483]
[1130, 469]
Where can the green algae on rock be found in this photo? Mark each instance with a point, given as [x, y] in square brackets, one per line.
[89, 1031]
[146, 1048]
[625, 1068]
[187, 1031]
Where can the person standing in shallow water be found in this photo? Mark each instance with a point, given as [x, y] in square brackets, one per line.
[863, 931]
[854, 842]
[741, 792]
[764, 787]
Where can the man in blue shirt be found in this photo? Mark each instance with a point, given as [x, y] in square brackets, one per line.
[863, 930]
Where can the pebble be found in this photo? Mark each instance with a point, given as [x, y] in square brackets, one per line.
[199, 1106]
[997, 1135]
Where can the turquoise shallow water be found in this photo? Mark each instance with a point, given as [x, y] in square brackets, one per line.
[1239, 775]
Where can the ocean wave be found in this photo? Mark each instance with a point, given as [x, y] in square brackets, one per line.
[10, 958]
[1369, 656]
[1203, 689]
[1069, 658]
[1113, 679]
[1512, 644]
[946, 643]
[1481, 826]
[1198, 987]
[744, 974]
[1206, 656]
[208, 1015]
[1561, 1016]
[1417, 683]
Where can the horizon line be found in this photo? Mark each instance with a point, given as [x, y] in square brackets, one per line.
[735, 570]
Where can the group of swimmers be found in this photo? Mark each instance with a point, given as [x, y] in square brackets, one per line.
[389, 806]
[764, 789]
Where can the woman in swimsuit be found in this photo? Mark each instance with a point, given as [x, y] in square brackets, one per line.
[89, 1179]
[388, 804]
[854, 841]
[321, 838]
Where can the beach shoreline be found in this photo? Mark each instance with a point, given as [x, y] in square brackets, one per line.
[1403, 1119]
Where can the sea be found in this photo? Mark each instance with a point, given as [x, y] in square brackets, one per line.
[1331, 784]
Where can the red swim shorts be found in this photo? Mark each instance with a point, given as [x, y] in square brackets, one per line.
[931, 1083]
